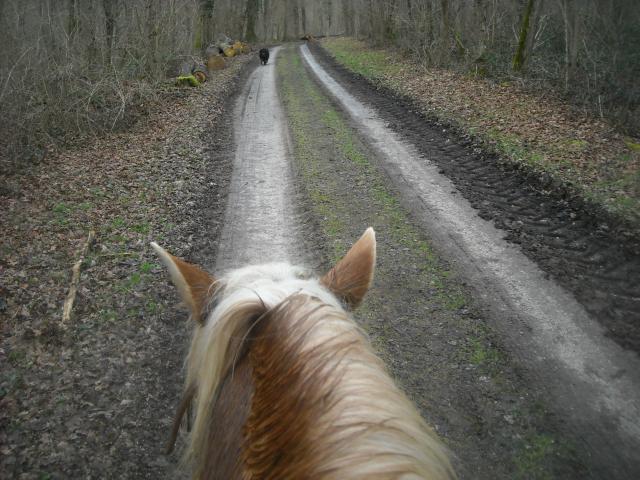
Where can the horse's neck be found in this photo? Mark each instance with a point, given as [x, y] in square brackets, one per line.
[290, 384]
[230, 413]
[308, 397]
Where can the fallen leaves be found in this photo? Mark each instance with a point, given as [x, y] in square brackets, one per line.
[106, 385]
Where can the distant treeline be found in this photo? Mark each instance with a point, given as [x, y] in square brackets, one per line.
[78, 66]
[587, 49]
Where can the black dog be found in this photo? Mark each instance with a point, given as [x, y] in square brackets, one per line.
[264, 55]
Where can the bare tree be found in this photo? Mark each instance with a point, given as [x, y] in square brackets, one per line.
[521, 55]
[572, 36]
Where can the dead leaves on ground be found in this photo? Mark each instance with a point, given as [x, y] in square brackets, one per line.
[61, 392]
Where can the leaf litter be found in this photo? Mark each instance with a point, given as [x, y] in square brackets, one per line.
[95, 398]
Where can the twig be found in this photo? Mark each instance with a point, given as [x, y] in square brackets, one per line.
[75, 279]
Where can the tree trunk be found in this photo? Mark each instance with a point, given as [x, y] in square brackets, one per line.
[572, 39]
[110, 9]
[203, 25]
[152, 34]
[520, 57]
[72, 20]
[534, 26]
[251, 16]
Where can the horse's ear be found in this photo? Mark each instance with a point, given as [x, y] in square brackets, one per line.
[350, 279]
[193, 283]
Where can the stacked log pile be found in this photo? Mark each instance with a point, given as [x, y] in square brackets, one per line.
[193, 71]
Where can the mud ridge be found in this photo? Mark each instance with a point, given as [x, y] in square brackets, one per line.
[583, 248]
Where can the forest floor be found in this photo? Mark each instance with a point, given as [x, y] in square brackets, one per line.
[95, 398]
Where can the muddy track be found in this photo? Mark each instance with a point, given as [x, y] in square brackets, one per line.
[264, 220]
[597, 261]
[590, 381]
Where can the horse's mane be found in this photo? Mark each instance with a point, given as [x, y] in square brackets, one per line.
[323, 405]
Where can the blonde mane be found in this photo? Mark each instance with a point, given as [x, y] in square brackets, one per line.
[287, 386]
[323, 404]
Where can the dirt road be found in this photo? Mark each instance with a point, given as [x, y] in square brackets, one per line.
[261, 223]
[569, 403]
[595, 380]
[507, 364]
[510, 368]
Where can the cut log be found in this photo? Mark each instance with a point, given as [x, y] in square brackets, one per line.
[75, 279]
[216, 62]
[200, 72]
[187, 80]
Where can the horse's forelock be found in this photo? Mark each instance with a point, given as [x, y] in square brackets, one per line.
[239, 304]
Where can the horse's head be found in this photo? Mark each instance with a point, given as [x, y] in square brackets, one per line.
[224, 310]
[286, 383]
[348, 280]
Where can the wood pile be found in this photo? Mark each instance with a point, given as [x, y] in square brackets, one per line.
[216, 62]
[201, 73]
[192, 71]
[228, 47]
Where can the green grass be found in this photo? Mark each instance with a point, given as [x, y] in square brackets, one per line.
[530, 461]
[371, 64]
[61, 212]
[134, 280]
[108, 315]
[61, 209]
[117, 223]
[142, 228]
[403, 232]
[481, 354]
[332, 213]
[633, 146]
[147, 267]
[153, 307]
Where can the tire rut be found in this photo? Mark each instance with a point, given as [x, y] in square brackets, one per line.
[586, 251]
[591, 383]
[262, 221]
